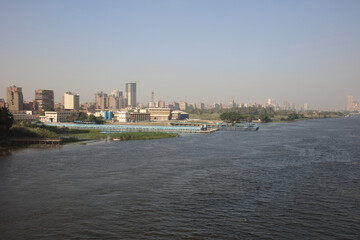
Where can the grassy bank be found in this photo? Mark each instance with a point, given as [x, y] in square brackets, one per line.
[97, 134]
[205, 116]
[75, 135]
[141, 135]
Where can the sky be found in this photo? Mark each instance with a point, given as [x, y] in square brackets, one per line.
[186, 50]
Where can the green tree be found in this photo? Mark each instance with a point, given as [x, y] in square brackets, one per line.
[250, 117]
[6, 122]
[49, 109]
[6, 118]
[265, 117]
[231, 116]
[73, 117]
[91, 118]
[82, 116]
[292, 116]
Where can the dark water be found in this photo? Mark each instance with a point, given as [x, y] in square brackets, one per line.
[287, 181]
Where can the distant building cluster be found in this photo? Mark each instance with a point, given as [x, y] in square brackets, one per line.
[117, 107]
[286, 106]
[123, 107]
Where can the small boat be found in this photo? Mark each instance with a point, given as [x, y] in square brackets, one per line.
[238, 126]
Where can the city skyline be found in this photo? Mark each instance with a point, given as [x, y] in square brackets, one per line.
[203, 51]
[117, 99]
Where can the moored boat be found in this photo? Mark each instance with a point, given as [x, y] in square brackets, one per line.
[238, 126]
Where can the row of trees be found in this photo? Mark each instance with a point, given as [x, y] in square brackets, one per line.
[81, 116]
[258, 110]
[265, 114]
[236, 117]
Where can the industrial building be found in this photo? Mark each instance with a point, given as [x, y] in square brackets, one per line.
[160, 114]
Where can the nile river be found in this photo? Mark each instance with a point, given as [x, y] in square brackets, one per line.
[287, 181]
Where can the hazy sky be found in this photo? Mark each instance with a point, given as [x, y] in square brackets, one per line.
[209, 51]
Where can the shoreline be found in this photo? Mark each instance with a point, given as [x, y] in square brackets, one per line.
[29, 136]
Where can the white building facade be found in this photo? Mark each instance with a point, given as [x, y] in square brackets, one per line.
[71, 101]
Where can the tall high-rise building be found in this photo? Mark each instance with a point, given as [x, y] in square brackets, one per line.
[44, 99]
[113, 102]
[200, 106]
[233, 104]
[101, 100]
[350, 103]
[271, 102]
[14, 98]
[130, 94]
[183, 106]
[118, 99]
[71, 101]
[160, 104]
[116, 93]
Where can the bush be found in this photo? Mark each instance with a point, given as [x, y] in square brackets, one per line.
[26, 132]
[231, 116]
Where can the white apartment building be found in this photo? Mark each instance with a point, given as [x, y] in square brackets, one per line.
[71, 101]
[123, 116]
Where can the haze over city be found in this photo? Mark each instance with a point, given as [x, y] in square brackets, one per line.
[208, 51]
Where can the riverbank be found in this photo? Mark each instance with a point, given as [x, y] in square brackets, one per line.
[279, 117]
[66, 135]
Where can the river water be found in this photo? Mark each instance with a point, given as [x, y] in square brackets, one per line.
[287, 181]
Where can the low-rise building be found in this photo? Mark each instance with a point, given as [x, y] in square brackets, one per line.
[123, 116]
[139, 116]
[54, 117]
[25, 117]
[160, 114]
[179, 115]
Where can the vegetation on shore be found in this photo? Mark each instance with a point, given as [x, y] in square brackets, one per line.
[6, 122]
[264, 114]
[69, 135]
[141, 135]
[83, 117]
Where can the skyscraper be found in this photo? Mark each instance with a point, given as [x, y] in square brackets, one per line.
[130, 94]
[101, 100]
[44, 99]
[116, 99]
[350, 103]
[71, 101]
[14, 98]
[113, 102]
